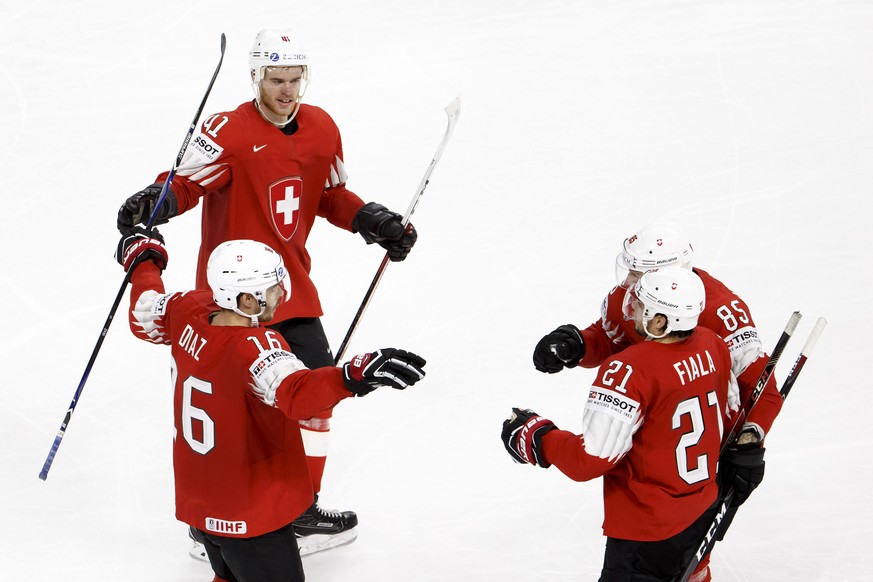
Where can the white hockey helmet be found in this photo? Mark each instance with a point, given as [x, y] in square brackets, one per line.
[245, 266]
[277, 48]
[675, 292]
[655, 246]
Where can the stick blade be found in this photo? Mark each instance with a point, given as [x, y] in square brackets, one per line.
[453, 109]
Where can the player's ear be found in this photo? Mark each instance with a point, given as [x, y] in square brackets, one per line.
[246, 301]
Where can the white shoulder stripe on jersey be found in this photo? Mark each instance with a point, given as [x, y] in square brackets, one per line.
[269, 370]
[149, 308]
[209, 181]
[745, 347]
[609, 423]
[338, 175]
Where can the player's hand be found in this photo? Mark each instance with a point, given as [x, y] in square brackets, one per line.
[379, 225]
[139, 207]
[138, 244]
[743, 467]
[522, 436]
[563, 348]
[386, 367]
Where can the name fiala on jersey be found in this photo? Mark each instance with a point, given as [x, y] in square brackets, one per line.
[692, 368]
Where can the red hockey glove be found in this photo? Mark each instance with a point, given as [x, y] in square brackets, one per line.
[386, 367]
[138, 244]
[522, 436]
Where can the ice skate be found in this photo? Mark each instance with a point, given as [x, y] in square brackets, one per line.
[197, 551]
[320, 529]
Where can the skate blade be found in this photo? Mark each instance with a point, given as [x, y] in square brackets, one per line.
[321, 543]
[198, 552]
[308, 544]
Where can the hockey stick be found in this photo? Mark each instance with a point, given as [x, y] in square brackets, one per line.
[724, 517]
[453, 110]
[801, 359]
[764, 377]
[705, 546]
[57, 442]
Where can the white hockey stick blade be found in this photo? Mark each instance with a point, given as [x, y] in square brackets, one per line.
[453, 111]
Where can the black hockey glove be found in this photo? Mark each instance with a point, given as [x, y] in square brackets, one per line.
[386, 367]
[139, 207]
[563, 348]
[522, 436]
[379, 225]
[138, 244]
[743, 467]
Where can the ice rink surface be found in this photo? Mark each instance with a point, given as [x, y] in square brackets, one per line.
[750, 123]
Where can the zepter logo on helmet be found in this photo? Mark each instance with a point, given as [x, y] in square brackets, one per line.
[245, 266]
[675, 292]
[278, 48]
[654, 247]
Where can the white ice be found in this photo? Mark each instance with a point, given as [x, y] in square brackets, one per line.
[749, 122]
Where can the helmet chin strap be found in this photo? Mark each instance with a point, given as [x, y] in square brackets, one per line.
[279, 125]
[256, 87]
[253, 316]
[649, 335]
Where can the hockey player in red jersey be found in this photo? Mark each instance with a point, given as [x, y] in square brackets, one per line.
[265, 171]
[241, 474]
[652, 427]
[653, 247]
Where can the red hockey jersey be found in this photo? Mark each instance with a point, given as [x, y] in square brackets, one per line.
[259, 183]
[239, 465]
[652, 426]
[725, 313]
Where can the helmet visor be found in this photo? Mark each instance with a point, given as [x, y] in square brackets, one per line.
[284, 280]
[631, 303]
[625, 276]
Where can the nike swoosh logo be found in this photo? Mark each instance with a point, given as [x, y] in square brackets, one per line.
[259, 148]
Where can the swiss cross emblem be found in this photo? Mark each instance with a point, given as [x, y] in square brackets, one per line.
[659, 242]
[673, 286]
[285, 206]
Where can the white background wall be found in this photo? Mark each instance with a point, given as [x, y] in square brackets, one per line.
[748, 122]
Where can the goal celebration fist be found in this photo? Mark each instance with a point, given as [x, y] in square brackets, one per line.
[522, 436]
[386, 367]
